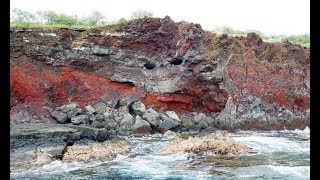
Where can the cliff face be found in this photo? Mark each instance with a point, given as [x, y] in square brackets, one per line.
[241, 81]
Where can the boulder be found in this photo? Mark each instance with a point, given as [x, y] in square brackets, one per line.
[90, 109]
[59, 116]
[74, 112]
[122, 111]
[152, 117]
[173, 115]
[127, 120]
[199, 117]
[68, 107]
[167, 123]
[110, 124]
[141, 126]
[138, 108]
[100, 117]
[109, 114]
[100, 107]
[97, 124]
[79, 119]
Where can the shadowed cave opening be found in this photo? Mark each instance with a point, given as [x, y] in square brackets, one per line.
[176, 61]
[149, 65]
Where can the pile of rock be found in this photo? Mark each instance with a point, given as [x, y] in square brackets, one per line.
[127, 119]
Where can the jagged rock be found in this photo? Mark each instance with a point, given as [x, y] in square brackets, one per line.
[74, 112]
[90, 109]
[138, 108]
[217, 143]
[91, 116]
[100, 117]
[122, 111]
[85, 150]
[97, 124]
[100, 107]
[152, 117]
[110, 124]
[59, 116]
[173, 115]
[68, 107]
[141, 126]
[167, 123]
[79, 119]
[108, 114]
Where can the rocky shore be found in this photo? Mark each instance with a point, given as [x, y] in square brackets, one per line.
[77, 94]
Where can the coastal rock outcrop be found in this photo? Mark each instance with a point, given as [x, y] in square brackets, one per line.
[238, 82]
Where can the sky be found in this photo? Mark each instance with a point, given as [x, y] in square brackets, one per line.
[288, 17]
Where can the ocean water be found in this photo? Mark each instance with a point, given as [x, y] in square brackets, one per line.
[277, 155]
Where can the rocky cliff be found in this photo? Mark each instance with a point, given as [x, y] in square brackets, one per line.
[241, 82]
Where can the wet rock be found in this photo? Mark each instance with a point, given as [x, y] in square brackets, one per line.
[85, 150]
[152, 117]
[79, 119]
[138, 108]
[173, 115]
[59, 116]
[90, 109]
[141, 126]
[216, 142]
[68, 107]
[100, 107]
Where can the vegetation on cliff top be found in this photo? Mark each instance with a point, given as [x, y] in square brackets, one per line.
[47, 19]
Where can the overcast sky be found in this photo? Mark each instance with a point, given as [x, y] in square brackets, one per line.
[268, 16]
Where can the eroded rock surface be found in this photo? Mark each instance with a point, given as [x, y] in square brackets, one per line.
[216, 143]
[242, 82]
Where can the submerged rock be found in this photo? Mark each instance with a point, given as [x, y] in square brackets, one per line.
[217, 143]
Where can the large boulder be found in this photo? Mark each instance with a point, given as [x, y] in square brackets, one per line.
[167, 123]
[141, 126]
[74, 112]
[138, 108]
[90, 109]
[152, 117]
[59, 116]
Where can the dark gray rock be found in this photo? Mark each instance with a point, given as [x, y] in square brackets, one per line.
[91, 117]
[138, 108]
[110, 124]
[100, 117]
[100, 107]
[97, 124]
[74, 112]
[141, 126]
[152, 117]
[68, 107]
[167, 123]
[59, 116]
[79, 119]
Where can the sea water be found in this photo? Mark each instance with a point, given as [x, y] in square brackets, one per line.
[276, 155]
